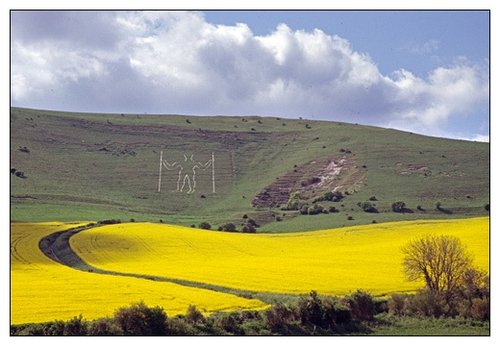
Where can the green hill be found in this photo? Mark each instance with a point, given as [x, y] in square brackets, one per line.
[78, 166]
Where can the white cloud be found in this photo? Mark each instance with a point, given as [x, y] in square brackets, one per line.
[427, 48]
[166, 62]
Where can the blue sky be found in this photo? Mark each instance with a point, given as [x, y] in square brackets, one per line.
[424, 71]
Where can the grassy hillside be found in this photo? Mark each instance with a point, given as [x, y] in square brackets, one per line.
[103, 166]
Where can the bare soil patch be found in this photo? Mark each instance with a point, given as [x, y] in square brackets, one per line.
[310, 180]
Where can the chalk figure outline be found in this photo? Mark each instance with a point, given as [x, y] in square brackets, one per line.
[186, 178]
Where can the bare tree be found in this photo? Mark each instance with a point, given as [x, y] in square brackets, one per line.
[441, 261]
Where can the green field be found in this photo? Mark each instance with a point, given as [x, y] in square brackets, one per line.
[106, 166]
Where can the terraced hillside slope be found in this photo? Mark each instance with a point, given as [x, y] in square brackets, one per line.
[73, 166]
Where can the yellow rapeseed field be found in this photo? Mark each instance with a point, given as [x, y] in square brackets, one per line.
[43, 290]
[336, 261]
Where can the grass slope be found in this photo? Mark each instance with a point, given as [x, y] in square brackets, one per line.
[102, 166]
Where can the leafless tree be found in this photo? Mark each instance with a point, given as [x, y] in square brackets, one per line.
[441, 261]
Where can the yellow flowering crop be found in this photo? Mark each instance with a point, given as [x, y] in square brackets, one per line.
[336, 261]
[43, 290]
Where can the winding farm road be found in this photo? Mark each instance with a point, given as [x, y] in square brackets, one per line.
[57, 247]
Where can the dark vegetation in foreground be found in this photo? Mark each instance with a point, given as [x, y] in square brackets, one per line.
[357, 314]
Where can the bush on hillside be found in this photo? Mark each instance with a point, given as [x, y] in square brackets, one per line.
[20, 174]
[439, 207]
[315, 209]
[252, 222]
[368, 207]
[400, 207]
[109, 222]
[248, 229]
[229, 227]
[205, 225]
[330, 196]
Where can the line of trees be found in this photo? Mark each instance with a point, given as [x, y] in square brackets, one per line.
[310, 315]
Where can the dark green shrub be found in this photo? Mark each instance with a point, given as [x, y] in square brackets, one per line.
[368, 207]
[315, 209]
[180, 326]
[109, 222]
[32, 329]
[139, 319]
[304, 209]
[229, 323]
[294, 202]
[362, 305]
[205, 225]
[103, 326]
[427, 303]
[480, 309]
[76, 326]
[248, 229]
[278, 316]
[400, 207]
[343, 315]
[252, 222]
[398, 304]
[20, 174]
[229, 227]
[314, 311]
[332, 209]
[55, 328]
[443, 210]
[194, 316]
[336, 196]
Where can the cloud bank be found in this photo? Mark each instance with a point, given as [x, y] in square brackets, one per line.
[176, 62]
